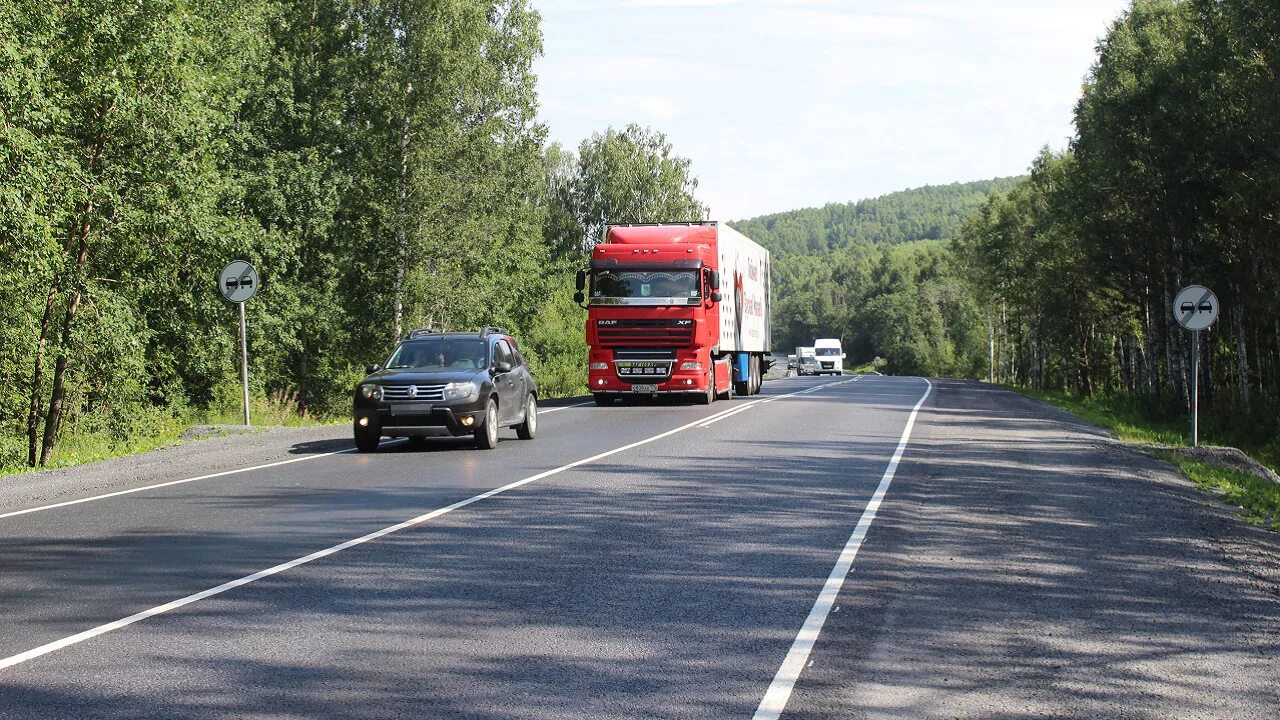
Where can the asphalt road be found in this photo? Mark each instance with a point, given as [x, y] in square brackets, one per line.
[649, 561]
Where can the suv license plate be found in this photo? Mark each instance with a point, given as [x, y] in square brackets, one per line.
[644, 388]
[411, 409]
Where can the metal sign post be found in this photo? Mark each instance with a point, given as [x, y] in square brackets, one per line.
[238, 282]
[1195, 308]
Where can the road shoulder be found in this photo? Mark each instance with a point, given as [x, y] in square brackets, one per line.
[1027, 564]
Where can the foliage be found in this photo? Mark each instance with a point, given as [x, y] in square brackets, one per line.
[627, 176]
[1172, 179]
[380, 163]
[880, 275]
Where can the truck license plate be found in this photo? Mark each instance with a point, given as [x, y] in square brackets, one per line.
[644, 388]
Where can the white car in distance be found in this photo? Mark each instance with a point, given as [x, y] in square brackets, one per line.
[830, 356]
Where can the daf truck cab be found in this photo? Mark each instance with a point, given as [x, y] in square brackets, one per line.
[830, 356]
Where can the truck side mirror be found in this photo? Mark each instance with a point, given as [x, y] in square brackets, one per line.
[715, 297]
[581, 281]
[713, 279]
[578, 297]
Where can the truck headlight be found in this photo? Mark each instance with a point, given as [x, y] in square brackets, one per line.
[371, 392]
[461, 391]
[691, 365]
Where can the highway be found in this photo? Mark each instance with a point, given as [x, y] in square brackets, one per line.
[833, 548]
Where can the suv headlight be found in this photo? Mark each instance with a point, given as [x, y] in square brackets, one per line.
[461, 391]
[371, 392]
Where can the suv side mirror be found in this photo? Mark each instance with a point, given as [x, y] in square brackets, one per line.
[502, 366]
[580, 281]
[371, 369]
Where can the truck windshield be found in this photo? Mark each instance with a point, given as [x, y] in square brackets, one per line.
[646, 287]
[440, 354]
[825, 352]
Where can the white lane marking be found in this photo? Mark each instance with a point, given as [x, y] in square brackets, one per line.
[779, 692]
[729, 414]
[548, 411]
[172, 482]
[275, 569]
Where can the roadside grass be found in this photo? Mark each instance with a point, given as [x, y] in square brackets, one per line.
[862, 369]
[1126, 419]
[1257, 498]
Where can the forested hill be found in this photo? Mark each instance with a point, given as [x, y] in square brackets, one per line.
[932, 212]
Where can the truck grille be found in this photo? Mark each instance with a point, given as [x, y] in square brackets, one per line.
[413, 392]
[645, 333]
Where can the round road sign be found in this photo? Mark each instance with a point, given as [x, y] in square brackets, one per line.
[238, 281]
[1195, 307]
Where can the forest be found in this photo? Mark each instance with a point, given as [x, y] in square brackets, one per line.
[384, 167]
[1172, 179]
[880, 275]
[381, 164]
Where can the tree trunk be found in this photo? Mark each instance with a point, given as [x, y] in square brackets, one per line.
[37, 376]
[402, 252]
[54, 418]
[1242, 361]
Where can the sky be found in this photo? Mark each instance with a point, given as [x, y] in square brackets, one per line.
[788, 104]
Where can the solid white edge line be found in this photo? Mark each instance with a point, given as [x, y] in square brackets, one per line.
[779, 692]
[172, 482]
[731, 413]
[251, 468]
[548, 411]
[245, 580]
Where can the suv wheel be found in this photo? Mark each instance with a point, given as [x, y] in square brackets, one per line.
[487, 434]
[367, 439]
[527, 429]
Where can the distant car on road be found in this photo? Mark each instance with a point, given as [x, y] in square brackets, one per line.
[830, 356]
[447, 384]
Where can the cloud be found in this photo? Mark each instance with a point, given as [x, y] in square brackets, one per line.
[783, 104]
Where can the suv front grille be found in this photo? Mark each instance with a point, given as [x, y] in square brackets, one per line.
[413, 392]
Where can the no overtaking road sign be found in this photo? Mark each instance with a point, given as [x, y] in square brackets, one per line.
[238, 281]
[1195, 307]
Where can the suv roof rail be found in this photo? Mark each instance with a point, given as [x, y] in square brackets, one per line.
[422, 331]
[492, 329]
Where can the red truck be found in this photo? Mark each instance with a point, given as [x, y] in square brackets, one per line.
[676, 309]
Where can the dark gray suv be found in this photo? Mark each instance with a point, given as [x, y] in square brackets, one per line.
[447, 384]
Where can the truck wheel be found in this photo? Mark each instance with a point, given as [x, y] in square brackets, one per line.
[710, 395]
[526, 429]
[487, 434]
[367, 439]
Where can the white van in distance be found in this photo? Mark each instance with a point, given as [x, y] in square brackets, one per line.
[830, 356]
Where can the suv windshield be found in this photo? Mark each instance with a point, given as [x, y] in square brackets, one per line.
[824, 352]
[440, 354]
[651, 287]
